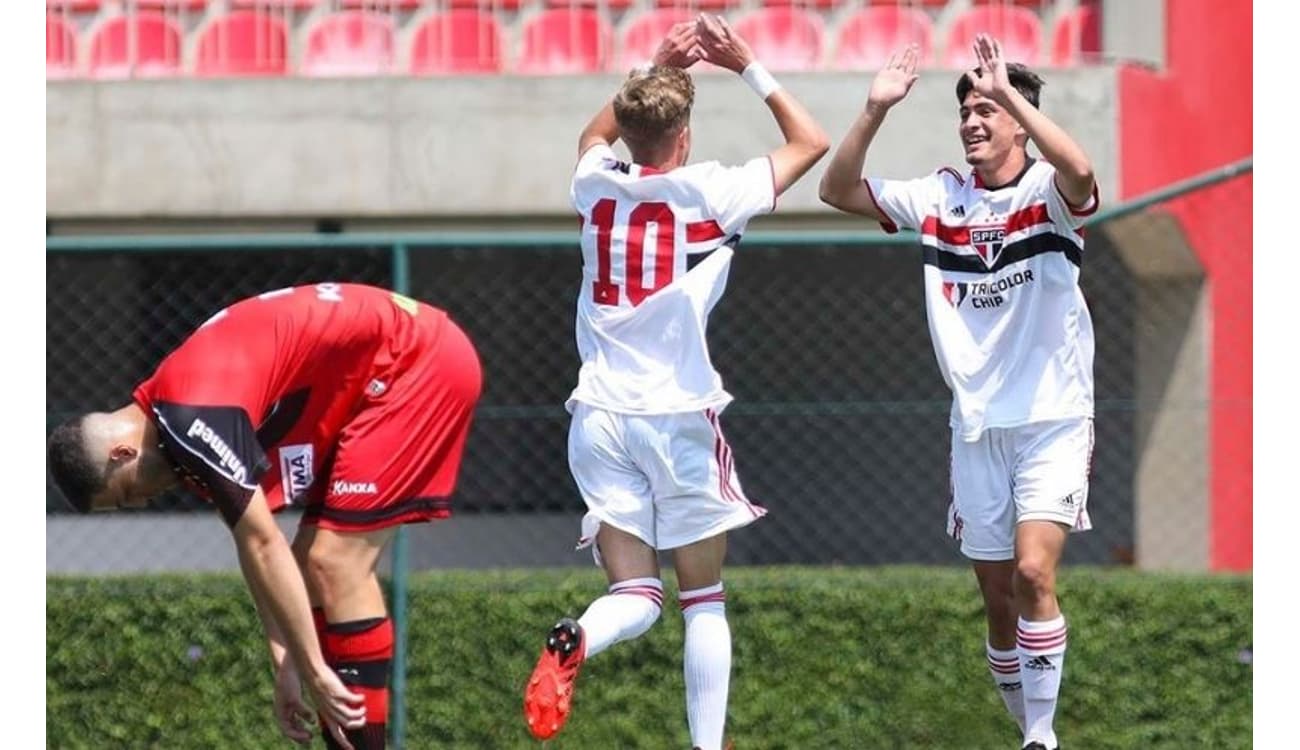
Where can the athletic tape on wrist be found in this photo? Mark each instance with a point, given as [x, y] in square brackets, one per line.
[760, 80]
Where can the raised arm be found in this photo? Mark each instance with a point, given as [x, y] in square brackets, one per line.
[277, 586]
[842, 185]
[805, 141]
[679, 49]
[1074, 175]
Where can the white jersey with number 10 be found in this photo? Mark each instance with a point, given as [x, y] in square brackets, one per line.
[643, 309]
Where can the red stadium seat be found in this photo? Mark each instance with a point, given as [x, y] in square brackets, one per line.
[610, 4]
[1035, 4]
[274, 5]
[170, 4]
[145, 45]
[1077, 38]
[244, 43]
[377, 5]
[1016, 28]
[76, 6]
[642, 37]
[697, 5]
[818, 4]
[60, 47]
[785, 39]
[457, 42]
[560, 40]
[922, 3]
[871, 35]
[489, 5]
[349, 43]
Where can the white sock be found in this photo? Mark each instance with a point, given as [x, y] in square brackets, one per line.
[627, 611]
[707, 665]
[1042, 659]
[1005, 668]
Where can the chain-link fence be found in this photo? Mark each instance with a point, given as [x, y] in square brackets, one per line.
[840, 421]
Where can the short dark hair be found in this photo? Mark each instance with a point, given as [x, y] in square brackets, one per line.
[69, 463]
[1022, 78]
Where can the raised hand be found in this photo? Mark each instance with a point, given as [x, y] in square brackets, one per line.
[291, 713]
[991, 80]
[893, 82]
[721, 45]
[681, 48]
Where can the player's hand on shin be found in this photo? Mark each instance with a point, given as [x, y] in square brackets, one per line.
[991, 81]
[721, 45]
[341, 708]
[291, 712]
[681, 48]
[893, 81]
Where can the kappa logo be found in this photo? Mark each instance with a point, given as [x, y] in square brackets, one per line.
[341, 487]
[987, 241]
[296, 473]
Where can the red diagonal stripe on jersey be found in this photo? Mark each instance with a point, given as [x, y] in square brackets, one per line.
[932, 227]
[1015, 222]
[1028, 217]
[703, 231]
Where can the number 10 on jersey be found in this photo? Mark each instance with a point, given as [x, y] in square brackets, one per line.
[632, 254]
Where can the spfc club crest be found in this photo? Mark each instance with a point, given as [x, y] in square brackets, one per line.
[987, 241]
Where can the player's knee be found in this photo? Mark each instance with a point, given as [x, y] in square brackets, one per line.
[1035, 577]
[644, 597]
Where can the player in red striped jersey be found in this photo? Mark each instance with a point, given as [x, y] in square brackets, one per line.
[351, 401]
[645, 444]
[1013, 337]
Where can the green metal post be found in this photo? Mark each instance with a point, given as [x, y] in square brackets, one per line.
[397, 707]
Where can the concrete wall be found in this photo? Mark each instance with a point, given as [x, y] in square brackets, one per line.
[461, 147]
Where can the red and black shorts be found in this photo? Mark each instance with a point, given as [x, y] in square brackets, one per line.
[397, 459]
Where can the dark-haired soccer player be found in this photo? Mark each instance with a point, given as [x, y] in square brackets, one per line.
[351, 401]
[1002, 248]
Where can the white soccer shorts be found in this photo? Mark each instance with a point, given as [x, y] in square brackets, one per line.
[1036, 472]
[668, 479]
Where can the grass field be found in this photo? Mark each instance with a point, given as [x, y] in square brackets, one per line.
[850, 659]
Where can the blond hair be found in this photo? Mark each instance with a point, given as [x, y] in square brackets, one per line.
[653, 105]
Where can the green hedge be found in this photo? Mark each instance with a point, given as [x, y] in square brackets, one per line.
[824, 658]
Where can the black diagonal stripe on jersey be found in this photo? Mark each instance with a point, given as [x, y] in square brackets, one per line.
[694, 259]
[283, 416]
[1014, 252]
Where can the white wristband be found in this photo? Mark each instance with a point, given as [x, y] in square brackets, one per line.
[760, 80]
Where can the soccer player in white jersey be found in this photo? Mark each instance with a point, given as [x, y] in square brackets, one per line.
[1002, 248]
[645, 446]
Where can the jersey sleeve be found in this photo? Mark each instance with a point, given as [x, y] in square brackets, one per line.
[1043, 182]
[904, 204]
[216, 448]
[592, 161]
[735, 195]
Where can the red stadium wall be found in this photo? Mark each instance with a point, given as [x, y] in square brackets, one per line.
[1192, 117]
